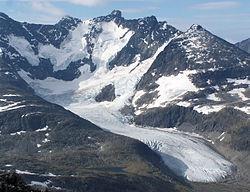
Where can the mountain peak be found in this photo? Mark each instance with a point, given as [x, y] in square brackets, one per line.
[196, 27]
[116, 13]
[68, 18]
[68, 21]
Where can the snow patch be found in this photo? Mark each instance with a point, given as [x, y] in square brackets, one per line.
[11, 106]
[8, 165]
[172, 88]
[12, 95]
[245, 109]
[240, 93]
[184, 104]
[208, 108]
[213, 97]
[21, 45]
[112, 39]
[24, 172]
[52, 86]
[239, 81]
[18, 133]
[37, 183]
[72, 49]
[50, 175]
[46, 128]
[32, 113]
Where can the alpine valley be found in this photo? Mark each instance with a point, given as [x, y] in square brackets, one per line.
[117, 105]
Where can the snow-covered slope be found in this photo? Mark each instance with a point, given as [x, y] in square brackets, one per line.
[75, 47]
[88, 85]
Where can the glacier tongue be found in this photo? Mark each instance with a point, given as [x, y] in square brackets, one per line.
[185, 154]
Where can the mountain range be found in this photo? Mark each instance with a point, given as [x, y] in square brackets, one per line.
[130, 105]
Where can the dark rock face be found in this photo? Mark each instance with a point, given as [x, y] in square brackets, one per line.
[244, 45]
[198, 49]
[107, 94]
[241, 138]
[107, 183]
[11, 182]
[170, 116]
[148, 37]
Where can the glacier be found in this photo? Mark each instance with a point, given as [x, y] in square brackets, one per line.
[186, 154]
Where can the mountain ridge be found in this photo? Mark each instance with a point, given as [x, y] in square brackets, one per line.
[244, 45]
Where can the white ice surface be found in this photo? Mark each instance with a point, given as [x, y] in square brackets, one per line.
[185, 154]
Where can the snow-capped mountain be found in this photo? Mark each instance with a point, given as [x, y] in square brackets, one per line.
[123, 74]
[196, 69]
[61, 51]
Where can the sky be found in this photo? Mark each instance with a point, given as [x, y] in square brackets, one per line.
[227, 19]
